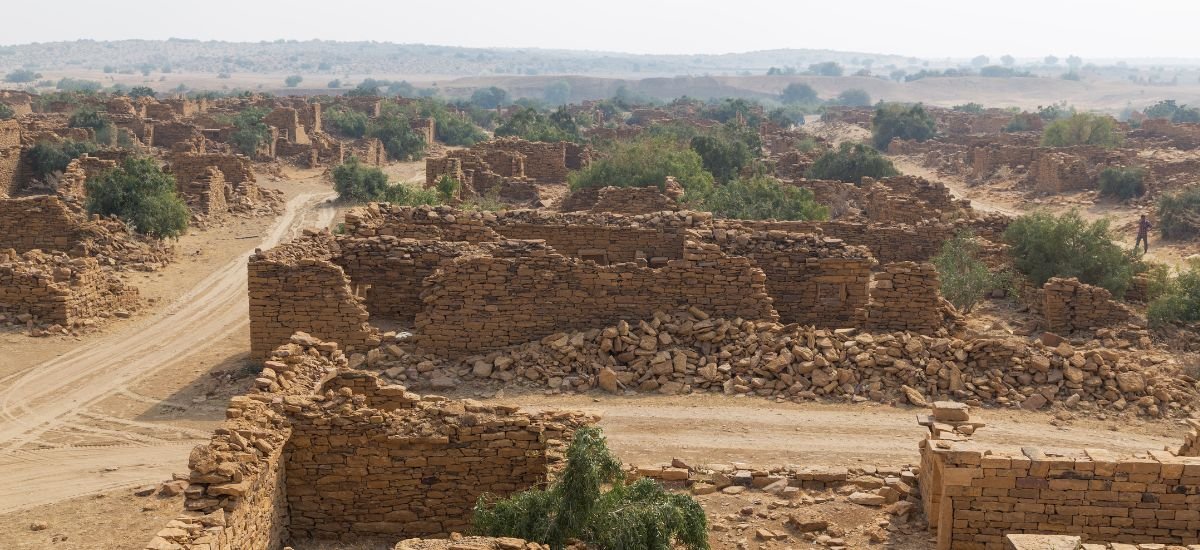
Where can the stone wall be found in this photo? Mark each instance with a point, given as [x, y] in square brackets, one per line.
[629, 201]
[287, 120]
[167, 134]
[57, 289]
[39, 222]
[188, 167]
[887, 242]
[975, 494]
[10, 157]
[525, 291]
[1182, 136]
[206, 194]
[811, 281]
[296, 286]
[391, 270]
[1069, 305]
[1060, 173]
[319, 452]
[906, 297]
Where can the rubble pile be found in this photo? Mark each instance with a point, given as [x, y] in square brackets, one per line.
[689, 352]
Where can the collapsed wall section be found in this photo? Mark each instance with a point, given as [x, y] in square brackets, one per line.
[56, 289]
[296, 287]
[525, 291]
[391, 271]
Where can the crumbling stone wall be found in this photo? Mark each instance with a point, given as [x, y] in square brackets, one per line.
[1060, 173]
[206, 194]
[10, 157]
[167, 134]
[1182, 136]
[629, 201]
[603, 244]
[1069, 305]
[318, 452]
[532, 291]
[887, 242]
[296, 286]
[392, 269]
[287, 120]
[987, 159]
[74, 179]
[811, 281]
[974, 494]
[188, 166]
[906, 297]
[57, 289]
[38, 222]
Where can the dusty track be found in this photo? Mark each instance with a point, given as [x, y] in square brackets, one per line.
[54, 395]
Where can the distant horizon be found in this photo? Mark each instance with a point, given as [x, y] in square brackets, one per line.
[926, 29]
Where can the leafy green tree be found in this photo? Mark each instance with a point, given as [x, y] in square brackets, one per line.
[250, 132]
[293, 81]
[1082, 129]
[827, 68]
[964, 277]
[141, 91]
[448, 188]
[760, 198]
[532, 125]
[1168, 109]
[799, 93]
[590, 501]
[334, 84]
[358, 182]
[395, 131]
[645, 162]
[366, 88]
[78, 85]
[853, 97]
[6, 112]
[21, 76]
[139, 192]
[731, 109]
[1179, 214]
[346, 121]
[726, 151]
[896, 120]
[489, 98]
[851, 162]
[1044, 245]
[558, 92]
[1123, 183]
[973, 108]
[48, 157]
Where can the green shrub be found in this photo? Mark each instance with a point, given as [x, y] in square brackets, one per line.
[1168, 109]
[396, 133]
[577, 505]
[448, 187]
[760, 198]
[729, 110]
[346, 121]
[827, 68]
[141, 91]
[529, 124]
[1021, 122]
[1044, 245]
[78, 85]
[293, 81]
[1082, 129]
[489, 98]
[250, 132]
[851, 162]
[896, 120]
[1179, 298]
[799, 93]
[1179, 214]
[973, 108]
[854, 97]
[727, 150]
[21, 76]
[642, 163]
[965, 278]
[142, 194]
[1122, 183]
[88, 117]
[6, 112]
[358, 182]
[48, 157]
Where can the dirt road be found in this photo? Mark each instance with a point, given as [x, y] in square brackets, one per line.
[56, 394]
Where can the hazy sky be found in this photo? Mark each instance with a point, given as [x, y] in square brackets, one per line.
[933, 28]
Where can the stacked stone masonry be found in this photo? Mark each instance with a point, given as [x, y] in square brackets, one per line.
[319, 452]
[1069, 305]
[57, 289]
[975, 494]
[904, 297]
[10, 157]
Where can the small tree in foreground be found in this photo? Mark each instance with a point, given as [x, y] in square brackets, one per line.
[965, 278]
[1179, 299]
[141, 194]
[1044, 245]
[576, 506]
[851, 162]
[1179, 214]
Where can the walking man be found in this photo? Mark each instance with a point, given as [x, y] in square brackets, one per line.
[1143, 235]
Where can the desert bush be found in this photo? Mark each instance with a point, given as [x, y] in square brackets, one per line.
[972, 107]
[798, 93]
[965, 278]
[726, 150]
[642, 163]
[78, 85]
[854, 97]
[591, 502]
[1179, 298]
[250, 132]
[49, 157]
[141, 91]
[760, 198]
[448, 187]
[851, 162]
[394, 130]
[827, 68]
[139, 192]
[88, 117]
[1123, 183]
[1172, 111]
[1179, 214]
[1045, 245]
[6, 112]
[293, 81]
[489, 98]
[1082, 129]
[896, 120]
[21, 76]
[346, 121]
[532, 125]
[358, 182]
